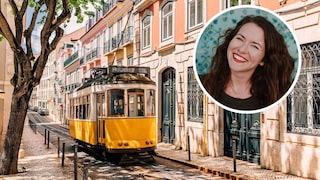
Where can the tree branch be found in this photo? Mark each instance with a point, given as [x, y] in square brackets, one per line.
[28, 31]
[7, 33]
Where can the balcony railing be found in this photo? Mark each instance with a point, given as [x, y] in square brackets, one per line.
[128, 35]
[107, 6]
[117, 41]
[71, 59]
[71, 87]
[93, 54]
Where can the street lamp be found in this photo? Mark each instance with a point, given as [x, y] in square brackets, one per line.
[1, 94]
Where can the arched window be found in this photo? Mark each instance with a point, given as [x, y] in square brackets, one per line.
[146, 32]
[167, 21]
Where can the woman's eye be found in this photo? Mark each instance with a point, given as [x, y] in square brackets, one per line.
[256, 47]
[239, 38]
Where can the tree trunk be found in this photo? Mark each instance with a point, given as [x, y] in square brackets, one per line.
[11, 146]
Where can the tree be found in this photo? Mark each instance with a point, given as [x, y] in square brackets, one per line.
[28, 69]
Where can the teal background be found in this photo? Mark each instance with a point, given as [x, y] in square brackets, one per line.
[208, 39]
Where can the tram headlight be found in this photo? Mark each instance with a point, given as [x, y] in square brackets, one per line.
[119, 143]
[126, 144]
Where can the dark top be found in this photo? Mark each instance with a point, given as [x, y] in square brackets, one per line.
[251, 103]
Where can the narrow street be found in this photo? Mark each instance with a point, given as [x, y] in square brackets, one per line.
[134, 167]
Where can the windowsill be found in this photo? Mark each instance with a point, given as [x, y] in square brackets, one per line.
[167, 47]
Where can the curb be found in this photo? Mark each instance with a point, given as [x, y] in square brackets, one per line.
[226, 175]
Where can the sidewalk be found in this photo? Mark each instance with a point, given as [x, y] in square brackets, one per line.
[38, 161]
[222, 166]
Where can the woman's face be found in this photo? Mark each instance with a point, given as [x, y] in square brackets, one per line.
[247, 49]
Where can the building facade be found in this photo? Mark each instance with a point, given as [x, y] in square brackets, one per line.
[161, 34]
[277, 139]
[291, 138]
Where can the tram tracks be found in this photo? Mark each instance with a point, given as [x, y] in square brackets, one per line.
[97, 166]
[42, 125]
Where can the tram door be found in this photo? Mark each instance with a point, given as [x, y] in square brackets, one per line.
[245, 129]
[168, 106]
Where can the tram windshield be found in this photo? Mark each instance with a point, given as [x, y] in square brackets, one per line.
[116, 102]
[136, 102]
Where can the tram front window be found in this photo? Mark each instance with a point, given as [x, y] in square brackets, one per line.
[136, 102]
[116, 102]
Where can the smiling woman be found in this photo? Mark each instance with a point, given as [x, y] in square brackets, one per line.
[252, 66]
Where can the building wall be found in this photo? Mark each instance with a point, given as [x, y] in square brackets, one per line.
[6, 72]
[281, 150]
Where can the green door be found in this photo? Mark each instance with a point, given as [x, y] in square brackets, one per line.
[245, 128]
[168, 105]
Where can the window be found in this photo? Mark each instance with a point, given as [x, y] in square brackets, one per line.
[303, 104]
[146, 32]
[101, 104]
[98, 46]
[130, 60]
[195, 13]
[230, 3]
[116, 102]
[167, 21]
[119, 30]
[105, 46]
[195, 98]
[136, 102]
[119, 62]
[151, 103]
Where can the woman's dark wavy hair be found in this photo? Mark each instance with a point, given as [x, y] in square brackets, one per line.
[270, 81]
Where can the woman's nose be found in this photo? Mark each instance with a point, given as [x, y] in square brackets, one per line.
[243, 48]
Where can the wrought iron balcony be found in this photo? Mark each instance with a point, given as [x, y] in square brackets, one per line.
[93, 54]
[71, 59]
[117, 41]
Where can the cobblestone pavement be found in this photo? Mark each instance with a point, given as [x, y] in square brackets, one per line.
[222, 166]
[140, 169]
[38, 161]
[42, 163]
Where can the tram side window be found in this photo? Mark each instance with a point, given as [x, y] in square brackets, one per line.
[72, 108]
[101, 103]
[150, 103]
[116, 102]
[136, 102]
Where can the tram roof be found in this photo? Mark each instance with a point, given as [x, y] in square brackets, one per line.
[118, 74]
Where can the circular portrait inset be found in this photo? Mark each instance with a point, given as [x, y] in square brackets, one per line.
[247, 59]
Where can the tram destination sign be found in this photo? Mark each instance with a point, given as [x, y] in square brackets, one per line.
[129, 70]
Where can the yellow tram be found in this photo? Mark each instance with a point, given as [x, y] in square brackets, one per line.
[114, 110]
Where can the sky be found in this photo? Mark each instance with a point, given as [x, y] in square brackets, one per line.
[72, 26]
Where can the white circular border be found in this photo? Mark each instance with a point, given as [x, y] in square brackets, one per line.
[269, 106]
